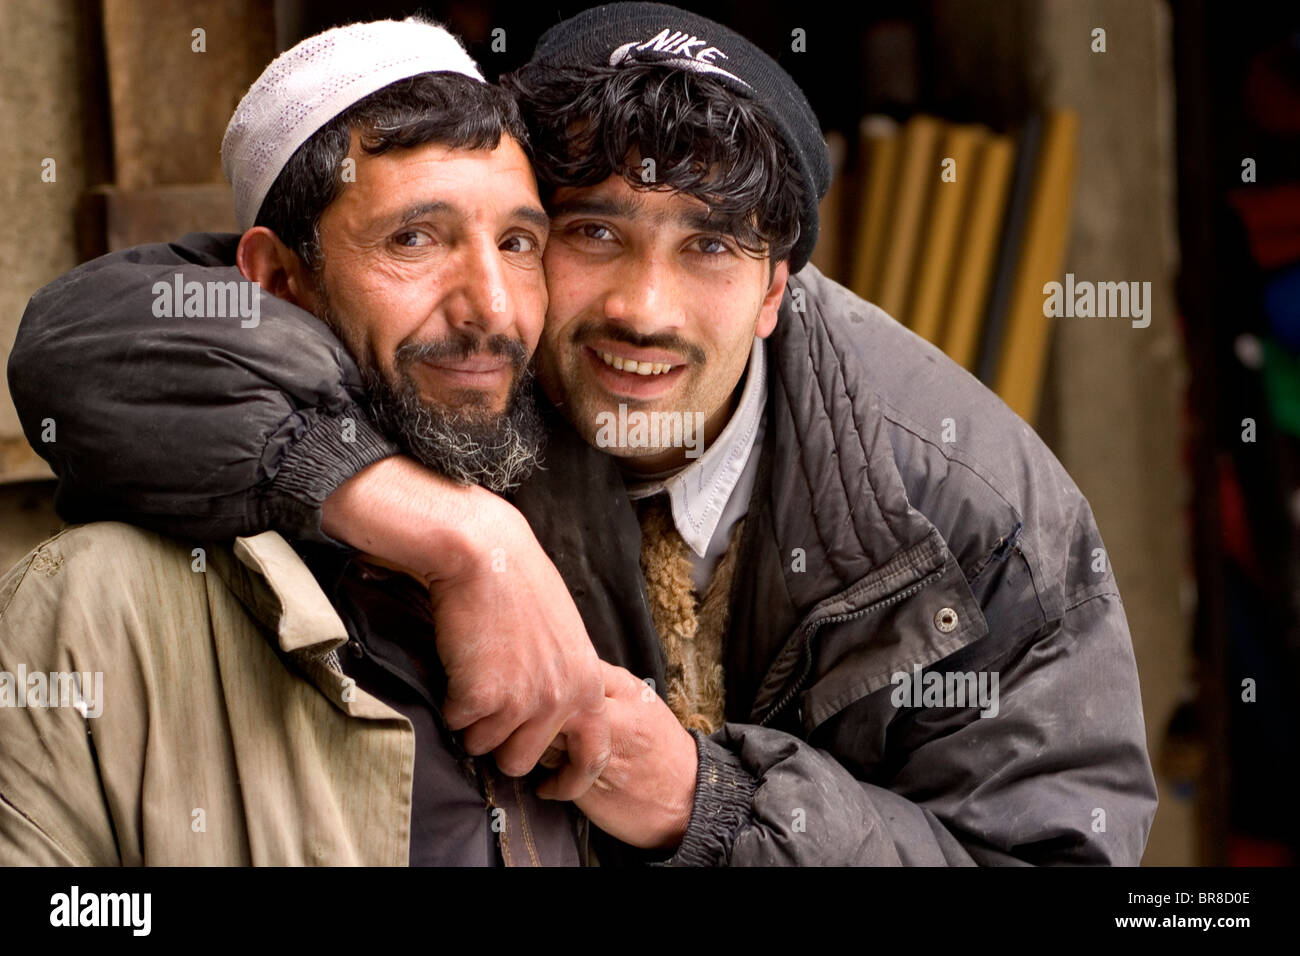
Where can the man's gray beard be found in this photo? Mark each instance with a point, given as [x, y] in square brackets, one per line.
[467, 445]
[497, 452]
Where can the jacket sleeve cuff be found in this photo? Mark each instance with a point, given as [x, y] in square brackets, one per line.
[331, 450]
[724, 796]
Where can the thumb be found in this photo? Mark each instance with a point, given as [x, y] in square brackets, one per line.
[621, 682]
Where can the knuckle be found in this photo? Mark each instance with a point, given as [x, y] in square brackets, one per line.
[520, 706]
[552, 696]
[512, 767]
[456, 715]
[479, 698]
[519, 701]
[597, 764]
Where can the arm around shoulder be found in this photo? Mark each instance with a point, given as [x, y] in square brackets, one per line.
[151, 410]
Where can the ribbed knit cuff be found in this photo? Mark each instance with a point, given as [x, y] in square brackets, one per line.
[724, 797]
[328, 453]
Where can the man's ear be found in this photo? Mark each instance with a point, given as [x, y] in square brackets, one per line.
[264, 259]
[772, 300]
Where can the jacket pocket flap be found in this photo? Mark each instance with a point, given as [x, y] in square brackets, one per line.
[862, 653]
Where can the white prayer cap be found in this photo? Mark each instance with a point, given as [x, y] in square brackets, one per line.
[309, 84]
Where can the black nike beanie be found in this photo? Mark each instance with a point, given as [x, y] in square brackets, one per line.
[657, 33]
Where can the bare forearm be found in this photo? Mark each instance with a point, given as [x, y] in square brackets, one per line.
[520, 667]
[413, 518]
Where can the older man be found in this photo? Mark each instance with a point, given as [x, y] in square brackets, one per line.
[872, 600]
[272, 707]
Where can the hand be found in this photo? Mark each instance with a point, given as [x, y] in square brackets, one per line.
[520, 667]
[646, 793]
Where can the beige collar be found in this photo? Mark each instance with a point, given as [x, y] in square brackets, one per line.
[283, 594]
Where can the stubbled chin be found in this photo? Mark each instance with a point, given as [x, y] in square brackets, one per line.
[472, 404]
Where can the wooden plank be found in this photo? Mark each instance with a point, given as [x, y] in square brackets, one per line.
[19, 463]
[114, 218]
[170, 99]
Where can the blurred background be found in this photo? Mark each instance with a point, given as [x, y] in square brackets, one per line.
[982, 150]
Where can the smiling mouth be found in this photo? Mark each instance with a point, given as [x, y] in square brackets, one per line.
[633, 366]
[475, 366]
[484, 376]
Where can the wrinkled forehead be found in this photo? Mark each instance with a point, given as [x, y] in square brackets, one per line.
[437, 182]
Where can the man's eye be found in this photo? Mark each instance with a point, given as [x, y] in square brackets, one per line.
[712, 245]
[594, 230]
[412, 239]
[520, 244]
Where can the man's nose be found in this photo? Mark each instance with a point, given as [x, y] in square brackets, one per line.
[646, 296]
[481, 299]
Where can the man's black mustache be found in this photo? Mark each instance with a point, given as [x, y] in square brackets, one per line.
[459, 346]
[587, 331]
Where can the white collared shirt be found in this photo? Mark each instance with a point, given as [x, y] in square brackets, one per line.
[712, 493]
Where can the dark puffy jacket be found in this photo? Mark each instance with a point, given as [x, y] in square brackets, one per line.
[907, 530]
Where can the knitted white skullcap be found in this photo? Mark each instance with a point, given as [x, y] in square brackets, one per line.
[309, 84]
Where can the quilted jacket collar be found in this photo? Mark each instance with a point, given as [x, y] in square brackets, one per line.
[841, 529]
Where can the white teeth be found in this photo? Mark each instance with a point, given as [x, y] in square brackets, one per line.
[635, 367]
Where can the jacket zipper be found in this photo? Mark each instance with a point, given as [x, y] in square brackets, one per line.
[812, 626]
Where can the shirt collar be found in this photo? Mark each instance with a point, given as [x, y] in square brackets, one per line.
[283, 594]
[699, 492]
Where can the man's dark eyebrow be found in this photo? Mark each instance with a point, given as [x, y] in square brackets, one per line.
[704, 222]
[594, 206]
[533, 214]
[623, 209]
[413, 212]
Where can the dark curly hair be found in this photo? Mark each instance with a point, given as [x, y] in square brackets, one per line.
[708, 142]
